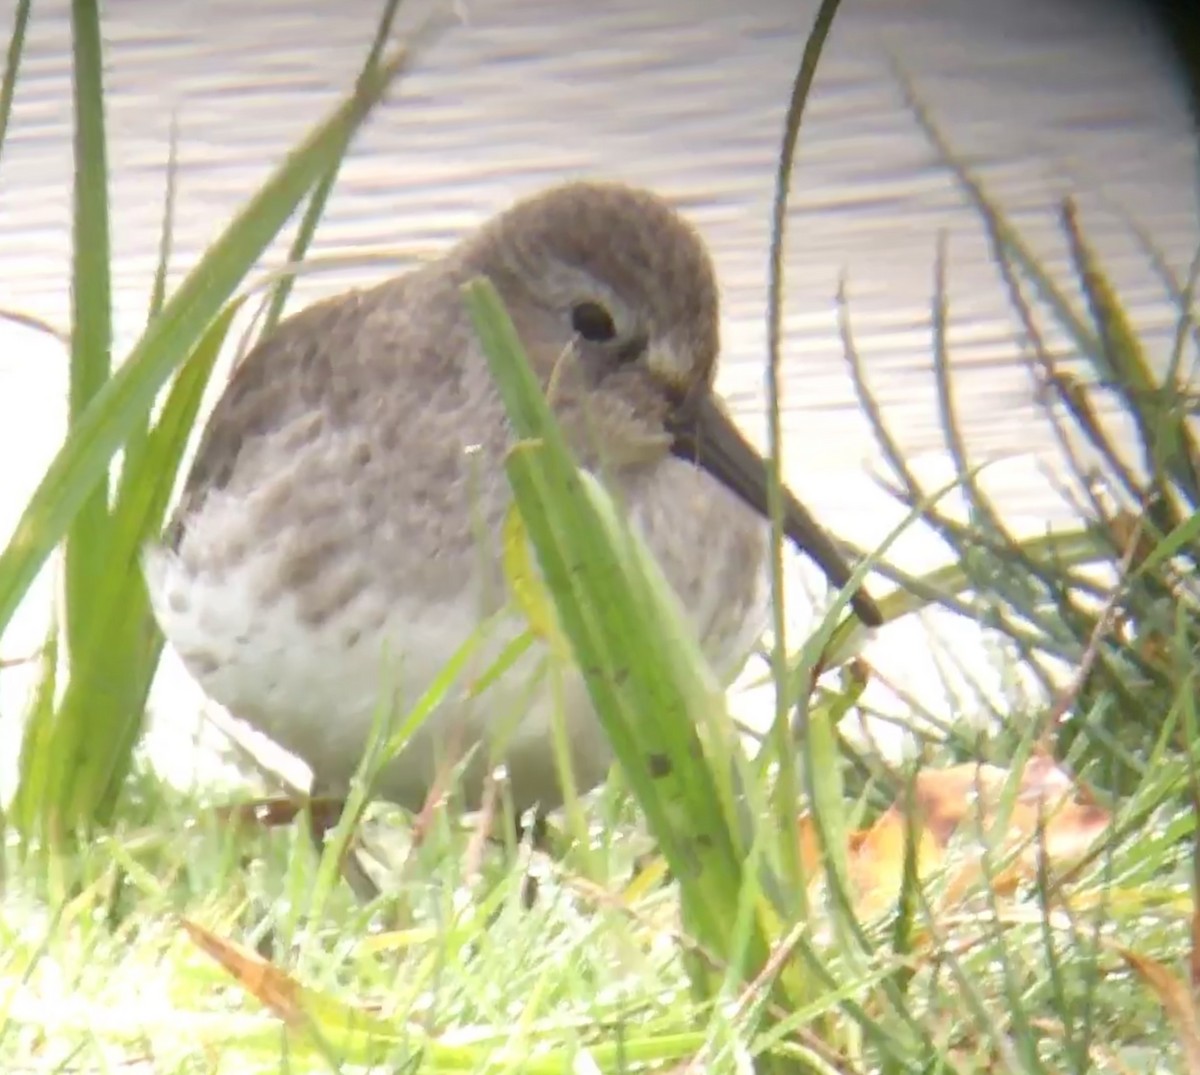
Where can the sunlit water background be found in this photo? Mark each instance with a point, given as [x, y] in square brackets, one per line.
[1042, 97]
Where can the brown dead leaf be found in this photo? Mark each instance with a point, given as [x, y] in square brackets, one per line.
[809, 843]
[1046, 795]
[277, 991]
[1050, 815]
[877, 859]
[1177, 1002]
[358, 1033]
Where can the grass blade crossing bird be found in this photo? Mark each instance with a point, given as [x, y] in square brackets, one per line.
[348, 496]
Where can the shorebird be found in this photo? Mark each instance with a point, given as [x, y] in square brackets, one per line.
[347, 499]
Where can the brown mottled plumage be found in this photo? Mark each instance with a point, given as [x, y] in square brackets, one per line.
[346, 501]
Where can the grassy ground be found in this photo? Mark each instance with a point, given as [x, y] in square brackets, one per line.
[146, 952]
[797, 925]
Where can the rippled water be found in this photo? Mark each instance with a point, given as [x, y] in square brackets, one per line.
[1043, 97]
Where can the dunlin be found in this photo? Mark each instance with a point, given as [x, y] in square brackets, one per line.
[347, 500]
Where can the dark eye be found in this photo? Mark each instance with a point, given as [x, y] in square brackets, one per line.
[593, 322]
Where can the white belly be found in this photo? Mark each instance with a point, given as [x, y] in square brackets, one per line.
[314, 687]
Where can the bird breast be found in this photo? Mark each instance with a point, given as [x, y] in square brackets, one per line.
[712, 549]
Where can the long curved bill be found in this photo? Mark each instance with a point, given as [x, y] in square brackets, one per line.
[710, 439]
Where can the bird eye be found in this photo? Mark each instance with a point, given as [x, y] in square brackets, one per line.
[593, 322]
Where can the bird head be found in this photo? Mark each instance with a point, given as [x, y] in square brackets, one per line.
[614, 296]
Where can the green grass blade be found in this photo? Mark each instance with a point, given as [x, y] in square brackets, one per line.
[642, 669]
[1007, 238]
[12, 65]
[91, 313]
[138, 514]
[1161, 431]
[83, 460]
[786, 793]
[1182, 537]
[158, 291]
[315, 209]
[36, 765]
[86, 755]
[135, 441]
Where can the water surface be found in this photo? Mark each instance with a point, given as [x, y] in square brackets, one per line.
[1042, 97]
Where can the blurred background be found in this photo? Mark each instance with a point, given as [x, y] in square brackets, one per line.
[1043, 98]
